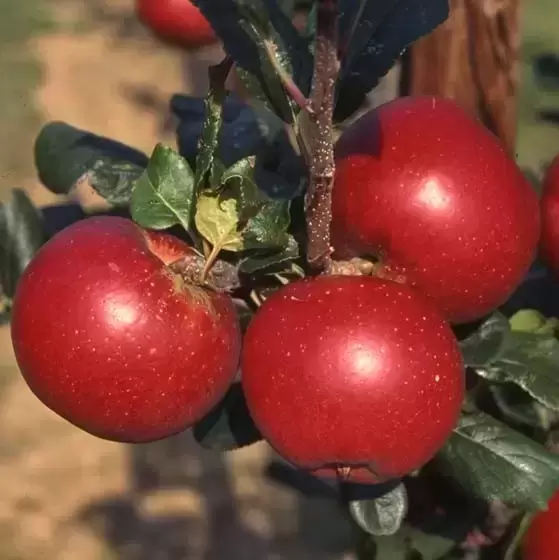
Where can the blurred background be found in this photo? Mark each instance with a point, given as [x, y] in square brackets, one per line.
[67, 495]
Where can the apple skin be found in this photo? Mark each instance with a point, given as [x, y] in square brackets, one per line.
[176, 21]
[541, 541]
[432, 193]
[550, 216]
[111, 340]
[347, 371]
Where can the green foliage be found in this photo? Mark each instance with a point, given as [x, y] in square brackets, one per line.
[163, 196]
[21, 236]
[229, 425]
[261, 39]
[381, 516]
[494, 462]
[65, 155]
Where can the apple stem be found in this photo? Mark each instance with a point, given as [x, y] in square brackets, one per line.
[317, 132]
[210, 261]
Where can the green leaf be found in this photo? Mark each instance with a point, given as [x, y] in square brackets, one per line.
[527, 320]
[494, 462]
[487, 342]
[241, 217]
[382, 515]
[383, 31]
[262, 41]
[546, 72]
[261, 261]
[217, 220]
[240, 180]
[229, 425]
[164, 194]
[268, 228]
[532, 321]
[66, 156]
[21, 236]
[213, 120]
[519, 407]
[531, 361]
[410, 544]
[241, 170]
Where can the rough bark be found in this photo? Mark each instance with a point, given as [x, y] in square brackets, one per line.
[473, 58]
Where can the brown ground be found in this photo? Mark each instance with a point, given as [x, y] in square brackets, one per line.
[65, 495]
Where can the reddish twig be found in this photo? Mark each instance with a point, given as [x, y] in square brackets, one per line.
[318, 136]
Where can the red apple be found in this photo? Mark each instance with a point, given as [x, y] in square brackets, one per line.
[176, 21]
[541, 541]
[352, 376]
[431, 192]
[108, 337]
[550, 216]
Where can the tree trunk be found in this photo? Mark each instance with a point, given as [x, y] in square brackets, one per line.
[473, 59]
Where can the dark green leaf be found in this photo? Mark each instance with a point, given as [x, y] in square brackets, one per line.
[408, 544]
[242, 171]
[65, 156]
[229, 425]
[238, 180]
[382, 515]
[268, 228]
[519, 407]
[262, 260]
[211, 129]
[412, 544]
[531, 361]
[21, 235]
[216, 174]
[487, 342]
[164, 194]
[546, 72]
[385, 29]
[494, 462]
[260, 37]
[241, 217]
[249, 133]
[283, 184]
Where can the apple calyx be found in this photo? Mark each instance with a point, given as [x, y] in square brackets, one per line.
[193, 268]
[358, 266]
[353, 267]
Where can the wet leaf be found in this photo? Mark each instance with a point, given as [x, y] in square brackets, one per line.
[263, 260]
[213, 119]
[65, 156]
[518, 407]
[21, 236]
[487, 342]
[494, 462]
[164, 194]
[531, 361]
[261, 38]
[384, 31]
[382, 515]
[229, 425]
[268, 228]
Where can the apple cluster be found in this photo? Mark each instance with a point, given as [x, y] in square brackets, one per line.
[358, 377]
